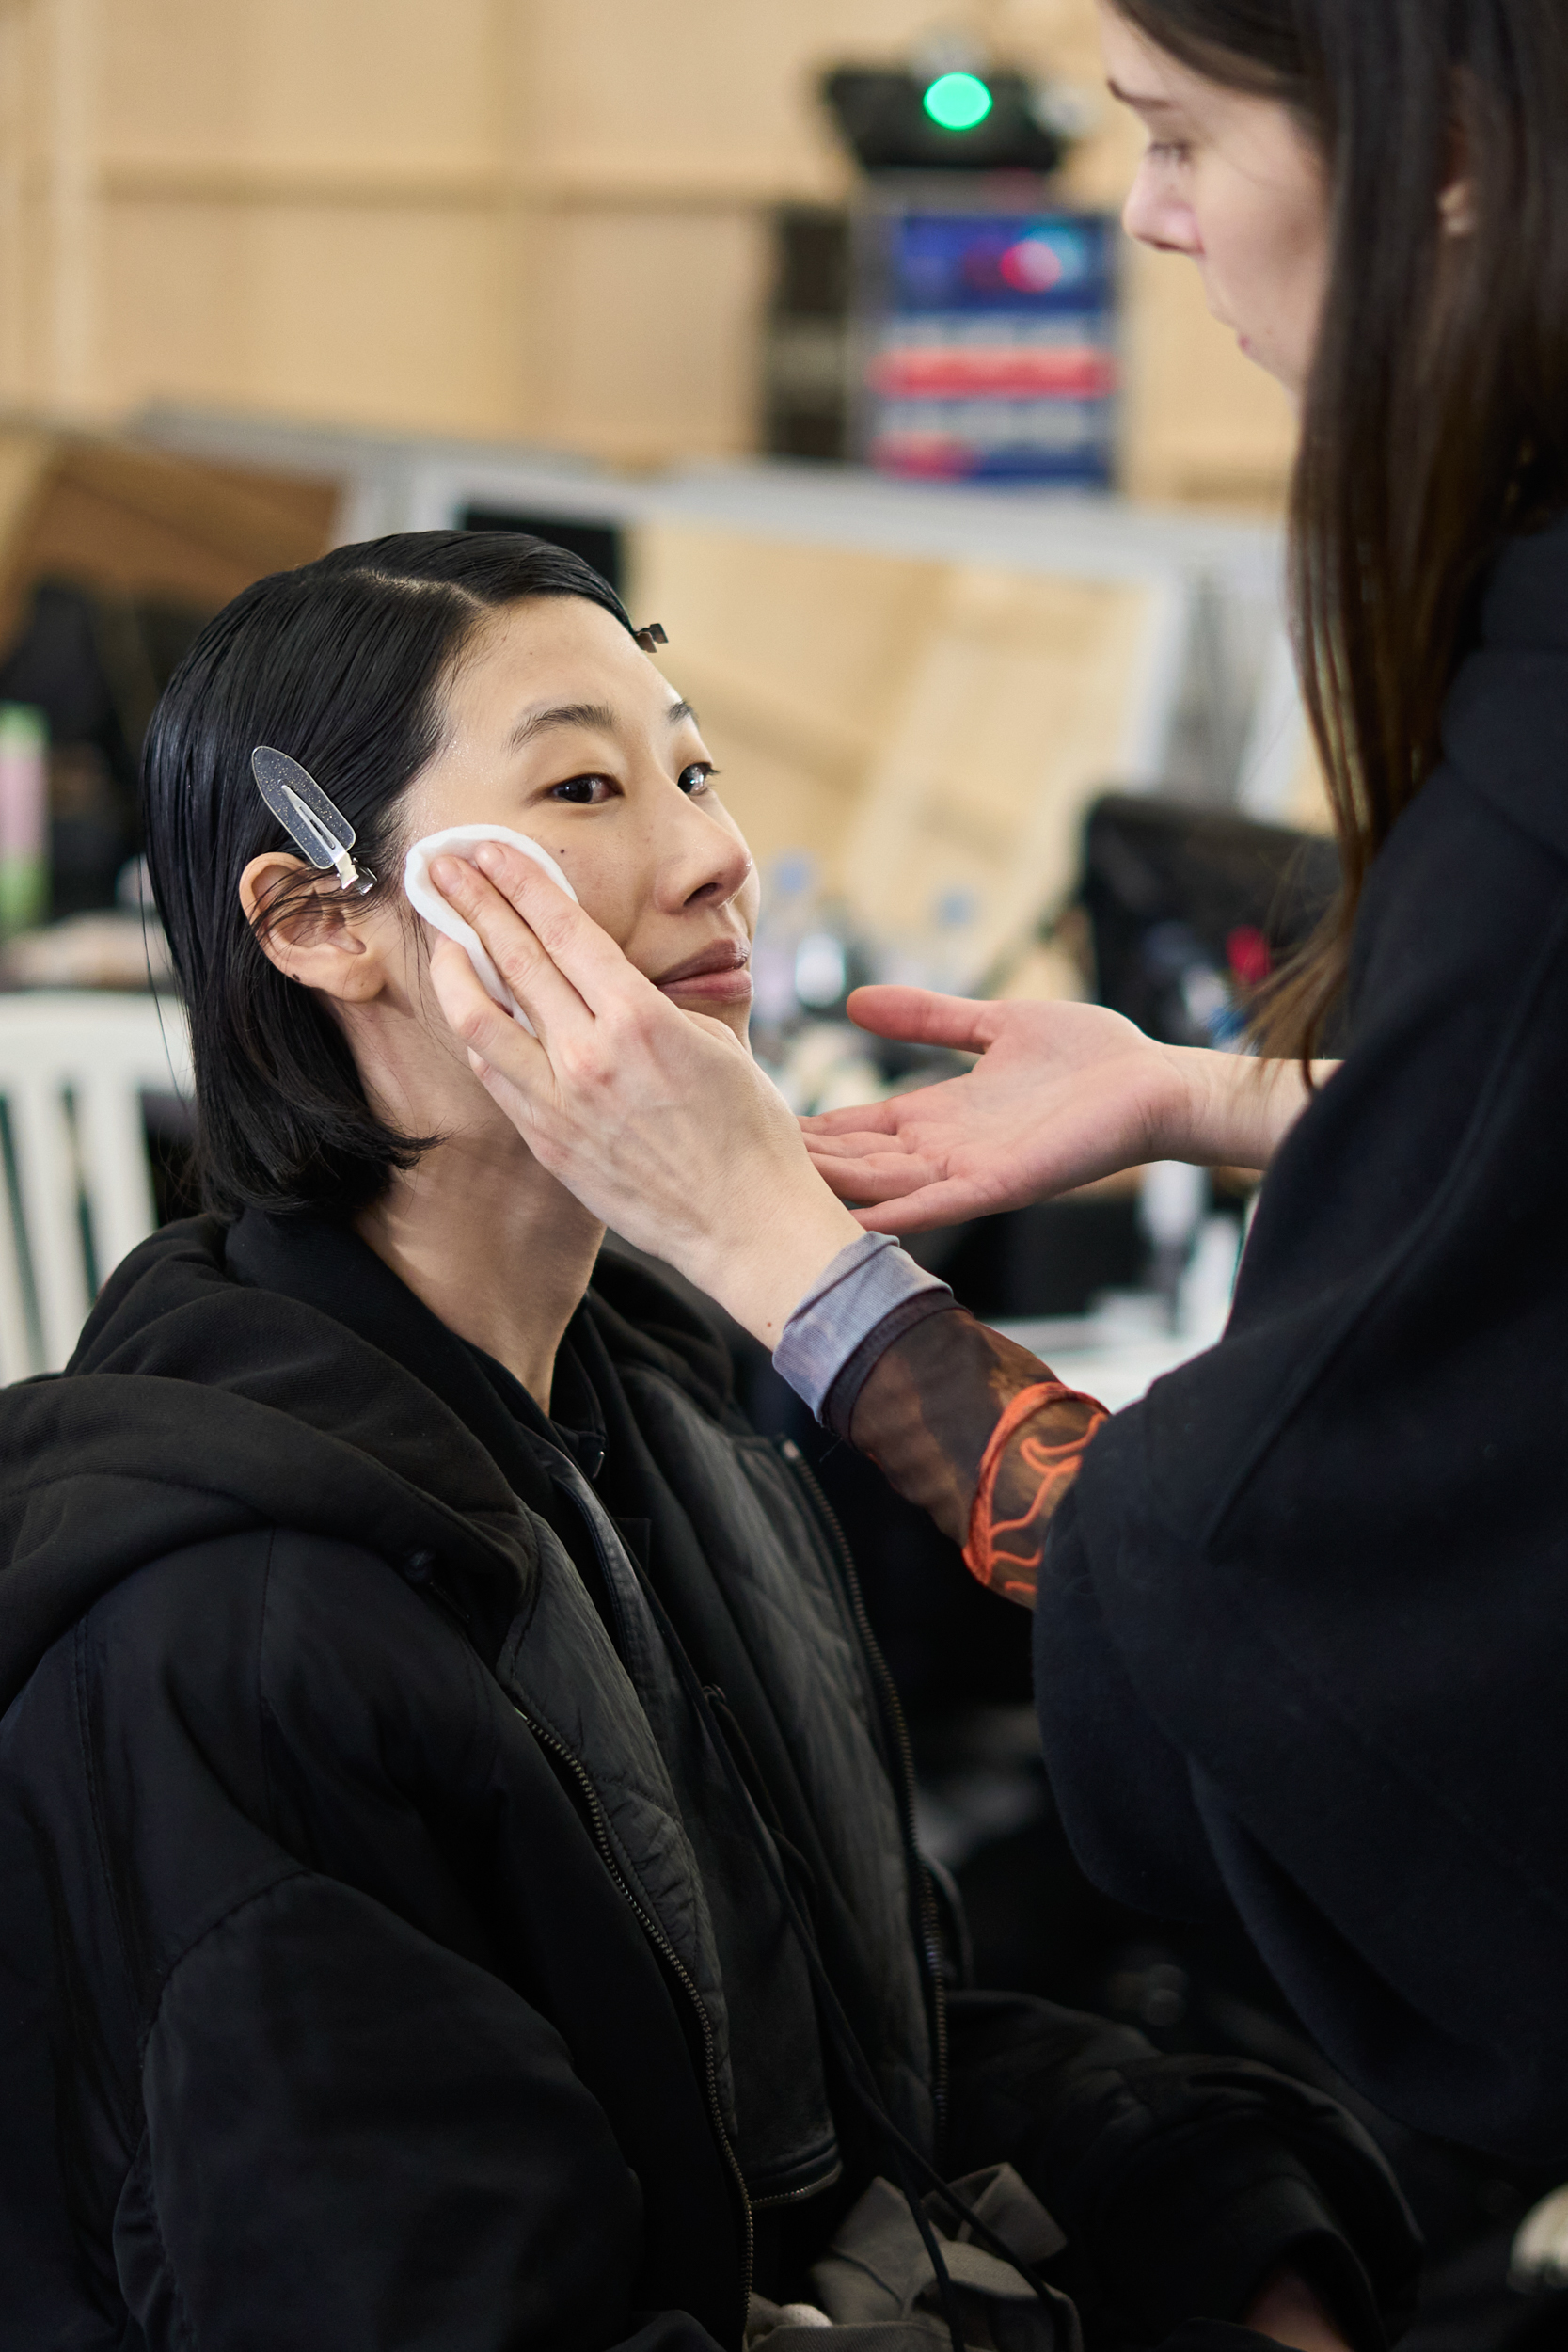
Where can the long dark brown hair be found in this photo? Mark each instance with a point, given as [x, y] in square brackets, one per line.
[1436, 419]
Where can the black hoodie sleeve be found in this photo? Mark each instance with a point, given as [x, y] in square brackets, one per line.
[1182, 2183]
[355, 2137]
[1300, 1642]
[302, 2083]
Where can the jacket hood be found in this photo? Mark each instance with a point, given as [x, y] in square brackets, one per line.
[199, 1405]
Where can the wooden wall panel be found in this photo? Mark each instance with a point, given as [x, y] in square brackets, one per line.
[645, 331]
[518, 218]
[24, 227]
[341, 81]
[392, 315]
[720, 90]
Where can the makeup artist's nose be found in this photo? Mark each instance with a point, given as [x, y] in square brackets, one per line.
[1154, 214]
[705, 866]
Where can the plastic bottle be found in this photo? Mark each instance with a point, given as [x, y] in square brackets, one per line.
[24, 818]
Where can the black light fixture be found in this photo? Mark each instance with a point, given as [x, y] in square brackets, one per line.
[958, 118]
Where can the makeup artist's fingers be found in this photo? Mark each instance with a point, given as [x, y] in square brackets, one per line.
[920, 1017]
[514, 1068]
[873, 1176]
[858, 1144]
[492, 1037]
[585, 955]
[521, 957]
[857, 1119]
[924, 1210]
[911, 1204]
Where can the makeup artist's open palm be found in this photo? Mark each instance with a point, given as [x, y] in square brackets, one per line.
[1062, 1094]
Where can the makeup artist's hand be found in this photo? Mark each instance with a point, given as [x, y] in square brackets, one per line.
[658, 1120]
[1286, 2308]
[1062, 1094]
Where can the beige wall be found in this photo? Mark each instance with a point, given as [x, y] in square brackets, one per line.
[540, 218]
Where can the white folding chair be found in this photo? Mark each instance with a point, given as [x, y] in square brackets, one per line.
[76, 1180]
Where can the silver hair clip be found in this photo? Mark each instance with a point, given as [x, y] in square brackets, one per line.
[650, 635]
[306, 814]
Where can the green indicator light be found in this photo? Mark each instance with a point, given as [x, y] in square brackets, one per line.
[958, 102]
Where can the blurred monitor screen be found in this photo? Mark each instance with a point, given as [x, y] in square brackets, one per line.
[991, 343]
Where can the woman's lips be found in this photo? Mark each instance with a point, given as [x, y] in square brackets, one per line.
[718, 975]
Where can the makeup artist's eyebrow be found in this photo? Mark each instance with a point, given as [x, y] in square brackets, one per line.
[535, 723]
[1144, 104]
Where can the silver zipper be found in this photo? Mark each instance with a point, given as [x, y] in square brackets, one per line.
[798, 2196]
[672, 1959]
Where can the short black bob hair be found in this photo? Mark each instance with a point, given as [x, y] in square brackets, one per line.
[343, 664]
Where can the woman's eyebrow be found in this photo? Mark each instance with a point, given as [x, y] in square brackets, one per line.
[535, 723]
[678, 712]
[1143, 103]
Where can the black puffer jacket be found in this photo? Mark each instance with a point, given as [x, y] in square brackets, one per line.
[385, 1957]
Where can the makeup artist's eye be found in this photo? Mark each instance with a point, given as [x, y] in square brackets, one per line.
[582, 791]
[698, 776]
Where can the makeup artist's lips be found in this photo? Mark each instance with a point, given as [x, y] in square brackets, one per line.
[718, 975]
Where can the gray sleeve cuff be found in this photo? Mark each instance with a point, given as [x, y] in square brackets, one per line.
[857, 1291]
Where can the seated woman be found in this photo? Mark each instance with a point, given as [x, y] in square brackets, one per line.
[458, 1878]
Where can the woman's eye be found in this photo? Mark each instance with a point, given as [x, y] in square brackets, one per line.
[698, 776]
[582, 791]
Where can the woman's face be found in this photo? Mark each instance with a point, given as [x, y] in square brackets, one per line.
[1232, 181]
[559, 726]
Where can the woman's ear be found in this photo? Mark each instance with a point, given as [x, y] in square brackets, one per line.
[311, 930]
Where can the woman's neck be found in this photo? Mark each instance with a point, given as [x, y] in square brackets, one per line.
[493, 1245]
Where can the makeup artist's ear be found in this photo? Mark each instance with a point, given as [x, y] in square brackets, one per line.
[1456, 198]
[316, 936]
[1456, 205]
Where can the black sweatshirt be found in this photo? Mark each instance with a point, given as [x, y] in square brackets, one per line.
[1302, 1632]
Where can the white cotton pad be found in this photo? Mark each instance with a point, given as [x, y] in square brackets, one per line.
[422, 895]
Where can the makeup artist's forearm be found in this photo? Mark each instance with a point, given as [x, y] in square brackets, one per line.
[927, 1414]
[1238, 1111]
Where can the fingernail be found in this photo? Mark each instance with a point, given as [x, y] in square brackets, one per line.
[447, 874]
[489, 857]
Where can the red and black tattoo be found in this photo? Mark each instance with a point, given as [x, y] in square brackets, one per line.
[975, 1430]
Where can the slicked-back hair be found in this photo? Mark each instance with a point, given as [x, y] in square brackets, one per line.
[343, 664]
[1435, 418]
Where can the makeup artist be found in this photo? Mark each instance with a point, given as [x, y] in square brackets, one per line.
[1302, 1629]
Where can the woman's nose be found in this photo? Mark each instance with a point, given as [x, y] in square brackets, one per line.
[708, 865]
